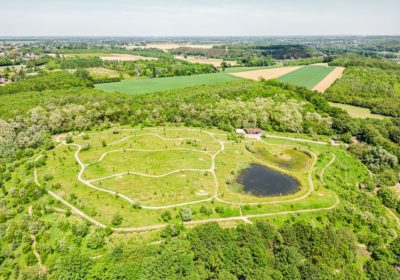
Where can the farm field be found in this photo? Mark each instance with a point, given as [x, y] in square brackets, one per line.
[169, 83]
[317, 77]
[357, 112]
[122, 172]
[306, 76]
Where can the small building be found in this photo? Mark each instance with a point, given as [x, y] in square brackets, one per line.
[254, 133]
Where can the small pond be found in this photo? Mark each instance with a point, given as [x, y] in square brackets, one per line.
[263, 181]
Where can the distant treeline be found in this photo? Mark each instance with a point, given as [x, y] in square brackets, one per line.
[250, 55]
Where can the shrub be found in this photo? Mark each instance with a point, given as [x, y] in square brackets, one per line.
[68, 213]
[388, 197]
[205, 211]
[48, 177]
[116, 220]
[172, 230]
[186, 214]
[69, 139]
[96, 240]
[136, 205]
[166, 216]
[85, 147]
[220, 209]
[80, 230]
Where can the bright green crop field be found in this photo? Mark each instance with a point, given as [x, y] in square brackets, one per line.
[170, 83]
[307, 76]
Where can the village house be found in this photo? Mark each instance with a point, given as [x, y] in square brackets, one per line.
[253, 133]
[2, 80]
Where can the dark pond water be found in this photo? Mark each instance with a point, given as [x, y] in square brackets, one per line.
[263, 181]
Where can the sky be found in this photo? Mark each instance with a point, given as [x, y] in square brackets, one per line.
[198, 17]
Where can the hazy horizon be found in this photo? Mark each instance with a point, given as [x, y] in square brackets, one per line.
[201, 18]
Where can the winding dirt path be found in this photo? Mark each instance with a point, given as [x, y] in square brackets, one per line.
[132, 201]
[42, 268]
[322, 173]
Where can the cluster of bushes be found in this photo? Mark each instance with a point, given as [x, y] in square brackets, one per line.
[252, 61]
[389, 198]
[74, 63]
[304, 61]
[160, 68]
[9, 60]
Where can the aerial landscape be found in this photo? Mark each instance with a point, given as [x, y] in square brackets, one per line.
[199, 140]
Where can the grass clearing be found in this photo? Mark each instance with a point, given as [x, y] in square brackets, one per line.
[357, 112]
[192, 185]
[150, 163]
[290, 158]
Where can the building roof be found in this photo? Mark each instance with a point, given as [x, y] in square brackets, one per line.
[253, 130]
